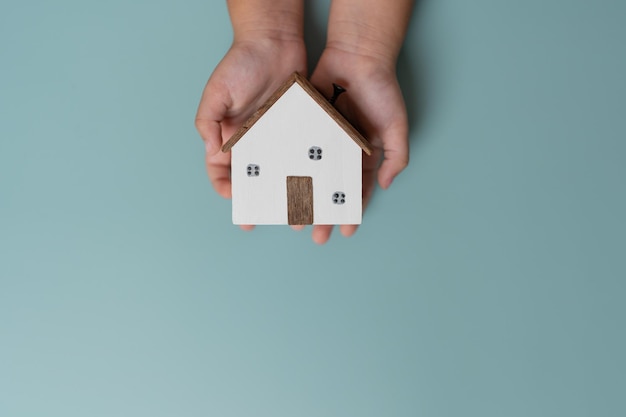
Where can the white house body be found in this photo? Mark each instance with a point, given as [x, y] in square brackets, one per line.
[296, 137]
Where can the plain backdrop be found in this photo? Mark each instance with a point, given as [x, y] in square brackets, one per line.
[488, 281]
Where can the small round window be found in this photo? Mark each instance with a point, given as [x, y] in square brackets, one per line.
[253, 170]
[339, 197]
[315, 153]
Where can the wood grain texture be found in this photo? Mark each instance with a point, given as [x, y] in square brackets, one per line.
[299, 200]
[319, 99]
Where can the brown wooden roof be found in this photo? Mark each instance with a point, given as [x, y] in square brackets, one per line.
[315, 95]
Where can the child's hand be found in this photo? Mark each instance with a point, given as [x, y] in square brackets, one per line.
[243, 80]
[374, 105]
[268, 46]
[363, 43]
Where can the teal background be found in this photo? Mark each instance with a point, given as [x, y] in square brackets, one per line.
[488, 281]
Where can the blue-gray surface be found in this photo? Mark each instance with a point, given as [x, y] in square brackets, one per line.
[488, 281]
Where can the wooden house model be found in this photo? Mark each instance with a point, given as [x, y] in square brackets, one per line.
[297, 161]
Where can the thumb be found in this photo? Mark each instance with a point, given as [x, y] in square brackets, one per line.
[211, 133]
[396, 152]
[212, 110]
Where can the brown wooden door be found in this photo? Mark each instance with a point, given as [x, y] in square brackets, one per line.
[300, 200]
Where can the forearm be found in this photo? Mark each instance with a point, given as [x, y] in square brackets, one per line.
[373, 28]
[274, 19]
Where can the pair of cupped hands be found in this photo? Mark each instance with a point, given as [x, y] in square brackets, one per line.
[253, 69]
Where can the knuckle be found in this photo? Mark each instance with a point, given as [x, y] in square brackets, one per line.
[403, 162]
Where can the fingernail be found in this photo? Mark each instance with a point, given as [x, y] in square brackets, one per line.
[207, 147]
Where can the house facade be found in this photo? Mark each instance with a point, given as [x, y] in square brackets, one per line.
[297, 161]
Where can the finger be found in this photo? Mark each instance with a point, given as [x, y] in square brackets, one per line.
[211, 133]
[297, 228]
[218, 170]
[321, 233]
[348, 230]
[396, 151]
[212, 110]
[246, 227]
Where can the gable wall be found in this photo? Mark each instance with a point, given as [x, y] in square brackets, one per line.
[279, 144]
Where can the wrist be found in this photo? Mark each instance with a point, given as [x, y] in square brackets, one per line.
[278, 24]
[273, 47]
[352, 68]
[361, 41]
[369, 28]
[359, 58]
